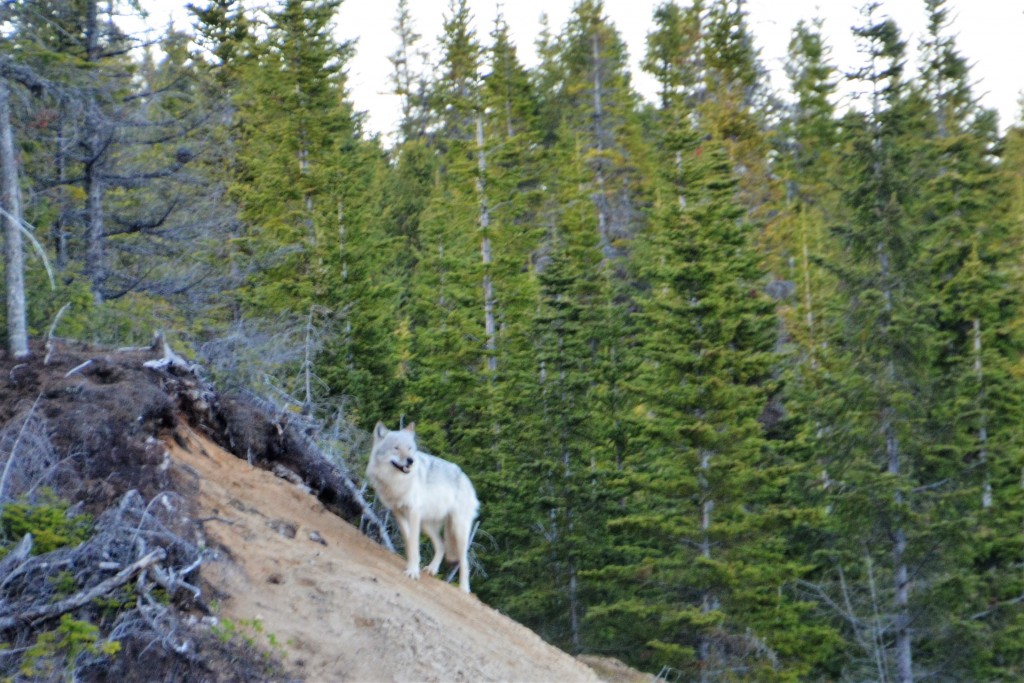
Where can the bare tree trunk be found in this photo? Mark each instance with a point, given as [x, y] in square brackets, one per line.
[58, 230]
[94, 258]
[573, 587]
[709, 602]
[901, 574]
[904, 643]
[877, 629]
[10, 203]
[307, 366]
[986, 486]
[601, 200]
[574, 609]
[901, 599]
[485, 250]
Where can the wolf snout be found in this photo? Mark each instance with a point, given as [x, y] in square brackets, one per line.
[403, 466]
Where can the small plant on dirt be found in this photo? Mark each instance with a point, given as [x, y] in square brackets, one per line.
[249, 633]
[123, 599]
[61, 647]
[63, 583]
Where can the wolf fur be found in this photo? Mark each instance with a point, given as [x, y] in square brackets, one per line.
[424, 493]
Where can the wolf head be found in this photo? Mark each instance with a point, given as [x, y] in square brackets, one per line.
[398, 447]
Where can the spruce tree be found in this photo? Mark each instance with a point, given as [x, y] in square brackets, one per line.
[446, 304]
[114, 152]
[559, 452]
[965, 202]
[701, 567]
[590, 102]
[306, 184]
[736, 106]
[884, 492]
[798, 239]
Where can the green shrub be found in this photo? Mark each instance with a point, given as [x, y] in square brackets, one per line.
[60, 648]
[48, 522]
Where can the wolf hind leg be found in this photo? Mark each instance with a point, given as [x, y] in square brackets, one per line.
[433, 532]
[458, 529]
[451, 553]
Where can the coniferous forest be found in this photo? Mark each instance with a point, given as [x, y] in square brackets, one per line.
[737, 374]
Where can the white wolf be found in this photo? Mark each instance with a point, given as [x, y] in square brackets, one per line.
[423, 492]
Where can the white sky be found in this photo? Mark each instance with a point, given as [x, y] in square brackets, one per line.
[987, 34]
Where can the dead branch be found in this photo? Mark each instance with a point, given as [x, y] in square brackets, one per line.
[333, 486]
[14, 560]
[34, 615]
[79, 367]
[50, 332]
[170, 359]
[998, 606]
[28, 459]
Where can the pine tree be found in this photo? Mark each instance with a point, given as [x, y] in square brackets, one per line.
[408, 83]
[674, 55]
[447, 325]
[114, 150]
[224, 34]
[292, 116]
[736, 107]
[797, 240]
[588, 95]
[591, 210]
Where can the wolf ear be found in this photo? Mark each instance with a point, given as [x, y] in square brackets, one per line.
[379, 432]
[411, 428]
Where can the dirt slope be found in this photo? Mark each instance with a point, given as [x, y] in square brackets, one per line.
[341, 607]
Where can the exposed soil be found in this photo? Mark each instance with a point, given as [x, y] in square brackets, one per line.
[341, 605]
[288, 572]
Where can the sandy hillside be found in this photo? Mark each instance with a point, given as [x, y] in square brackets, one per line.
[341, 606]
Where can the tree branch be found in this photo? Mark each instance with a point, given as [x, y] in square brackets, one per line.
[36, 614]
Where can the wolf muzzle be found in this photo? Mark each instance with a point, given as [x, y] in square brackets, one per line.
[403, 468]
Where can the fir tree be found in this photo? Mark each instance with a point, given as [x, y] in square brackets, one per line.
[590, 98]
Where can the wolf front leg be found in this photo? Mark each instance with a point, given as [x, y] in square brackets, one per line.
[433, 532]
[409, 525]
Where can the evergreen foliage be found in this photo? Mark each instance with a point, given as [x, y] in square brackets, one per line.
[736, 374]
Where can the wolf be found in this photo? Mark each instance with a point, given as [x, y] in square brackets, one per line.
[425, 493]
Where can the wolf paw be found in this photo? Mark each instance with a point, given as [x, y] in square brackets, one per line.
[430, 571]
[413, 574]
